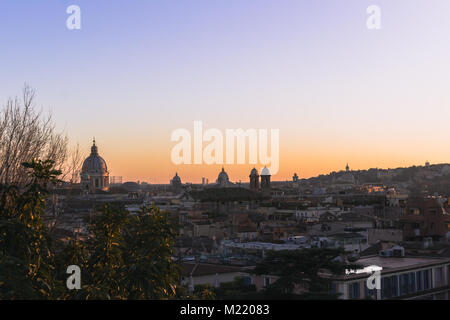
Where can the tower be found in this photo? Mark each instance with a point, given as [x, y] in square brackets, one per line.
[296, 182]
[265, 182]
[254, 180]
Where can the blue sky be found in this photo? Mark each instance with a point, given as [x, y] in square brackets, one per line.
[137, 70]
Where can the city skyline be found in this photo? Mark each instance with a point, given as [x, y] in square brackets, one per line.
[337, 91]
[241, 168]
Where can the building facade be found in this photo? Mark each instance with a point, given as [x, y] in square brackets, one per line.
[425, 217]
[401, 278]
[94, 172]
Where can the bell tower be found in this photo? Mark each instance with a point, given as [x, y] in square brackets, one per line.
[254, 180]
[265, 182]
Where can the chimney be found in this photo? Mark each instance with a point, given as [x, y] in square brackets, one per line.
[427, 242]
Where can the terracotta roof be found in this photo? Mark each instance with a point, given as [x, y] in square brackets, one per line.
[203, 269]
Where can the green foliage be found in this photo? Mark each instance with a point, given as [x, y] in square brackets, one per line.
[237, 290]
[76, 253]
[26, 262]
[127, 257]
[102, 271]
[204, 292]
[148, 269]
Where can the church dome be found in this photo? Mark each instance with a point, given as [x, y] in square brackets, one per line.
[94, 163]
[223, 176]
[176, 178]
[265, 172]
[254, 172]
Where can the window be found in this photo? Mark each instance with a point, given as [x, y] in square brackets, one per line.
[386, 287]
[414, 211]
[419, 285]
[438, 273]
[389, 287]
[353, 289]
[266, 281]
[412, 282]
[426, 279]
[394, 286]
[404, 285]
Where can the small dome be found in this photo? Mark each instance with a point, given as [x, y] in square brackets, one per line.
[254, 172]
[265, 172]
[94, 163]
[223, 179]
[223, 175]
[176, 178]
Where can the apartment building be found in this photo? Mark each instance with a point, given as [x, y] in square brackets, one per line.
[401, 278]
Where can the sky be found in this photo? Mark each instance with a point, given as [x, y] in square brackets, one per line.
[139, 69]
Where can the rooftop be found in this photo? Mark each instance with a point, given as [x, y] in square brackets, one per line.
[203, 269]
[394, 264]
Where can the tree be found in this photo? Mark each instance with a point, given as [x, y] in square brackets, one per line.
[127, 257]
[104, 270]
[26, 262]
[73, 165]
[73, 253]
[238, 289]
[25, 134]
[148, 269]
[204, 292]
[301, 269]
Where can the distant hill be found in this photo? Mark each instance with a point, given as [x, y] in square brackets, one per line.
[429, 179]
